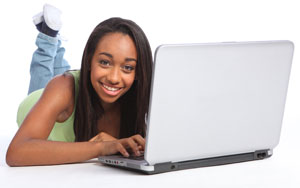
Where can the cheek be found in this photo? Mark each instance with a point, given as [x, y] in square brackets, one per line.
[129, 79]
[95, 75]
[97, 72]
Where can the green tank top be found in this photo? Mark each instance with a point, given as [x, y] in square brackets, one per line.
[61, 131]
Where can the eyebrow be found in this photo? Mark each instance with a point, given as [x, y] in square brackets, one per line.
[111, 56]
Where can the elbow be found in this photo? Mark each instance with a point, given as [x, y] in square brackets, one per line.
[16, 153]
[10, 158]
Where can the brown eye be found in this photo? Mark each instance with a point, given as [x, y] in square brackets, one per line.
[128, 68]
[104, 62]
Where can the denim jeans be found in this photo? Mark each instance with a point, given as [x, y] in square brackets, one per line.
[47, 62]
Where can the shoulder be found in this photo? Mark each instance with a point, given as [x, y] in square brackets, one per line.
[62, 84]
[60, 92]
[56, 99]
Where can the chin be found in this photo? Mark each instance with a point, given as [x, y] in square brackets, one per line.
[109, 100]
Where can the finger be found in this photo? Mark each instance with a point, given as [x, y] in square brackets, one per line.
[139, 140]
[133, 146]
[141, 149]
[122, 150]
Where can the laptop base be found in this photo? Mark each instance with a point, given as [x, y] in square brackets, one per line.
[215, 161]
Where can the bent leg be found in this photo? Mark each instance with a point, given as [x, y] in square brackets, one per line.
[60, 64]
[41, 68]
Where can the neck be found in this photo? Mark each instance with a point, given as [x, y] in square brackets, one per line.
[109, 106]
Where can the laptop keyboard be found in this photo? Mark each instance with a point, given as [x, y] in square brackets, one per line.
[139, 158]
[132, 156]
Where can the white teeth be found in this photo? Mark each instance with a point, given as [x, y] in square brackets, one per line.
[110, 88]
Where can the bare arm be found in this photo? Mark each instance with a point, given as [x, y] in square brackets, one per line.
[31, 147]
[43, 152]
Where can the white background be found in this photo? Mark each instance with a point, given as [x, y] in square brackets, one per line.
[168, 21]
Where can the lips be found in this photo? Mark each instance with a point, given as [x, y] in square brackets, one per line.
[111, 91]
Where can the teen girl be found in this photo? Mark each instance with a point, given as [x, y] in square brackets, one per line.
[79, 115]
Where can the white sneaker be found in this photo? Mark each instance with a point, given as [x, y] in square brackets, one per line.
[52, 17]
[38, 18]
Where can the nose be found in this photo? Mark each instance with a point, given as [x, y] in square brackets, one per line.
[114, 76]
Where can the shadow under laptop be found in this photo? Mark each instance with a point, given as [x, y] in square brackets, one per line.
[117, 169]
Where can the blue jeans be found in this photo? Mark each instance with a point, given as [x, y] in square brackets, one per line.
[47, 62]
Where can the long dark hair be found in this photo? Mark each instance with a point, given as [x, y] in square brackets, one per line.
[134, 104]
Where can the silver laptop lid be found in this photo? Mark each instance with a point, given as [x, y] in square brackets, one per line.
[216, 99]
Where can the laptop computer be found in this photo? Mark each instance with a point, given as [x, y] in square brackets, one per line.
[213, 104]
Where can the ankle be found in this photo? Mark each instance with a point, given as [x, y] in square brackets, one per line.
[38, 20]
[48, 31]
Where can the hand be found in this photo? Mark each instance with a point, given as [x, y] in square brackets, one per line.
[102, 136]
[135, 144]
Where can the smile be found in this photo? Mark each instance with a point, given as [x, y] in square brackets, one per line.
[112, 91]
[110, 88]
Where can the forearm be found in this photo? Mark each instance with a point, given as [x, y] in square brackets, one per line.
[44, 152]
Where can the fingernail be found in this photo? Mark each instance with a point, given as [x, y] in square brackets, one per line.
[138, 153]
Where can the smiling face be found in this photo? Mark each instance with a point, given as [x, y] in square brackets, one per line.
[113, 67]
